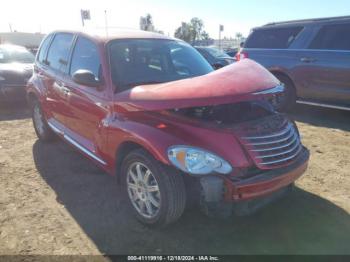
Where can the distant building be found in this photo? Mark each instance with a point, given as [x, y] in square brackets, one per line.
[29, 40]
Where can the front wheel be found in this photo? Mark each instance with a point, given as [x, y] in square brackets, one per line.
[156, 193]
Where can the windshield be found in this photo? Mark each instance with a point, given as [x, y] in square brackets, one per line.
[15, 54]
[217, 53]
[146, 61]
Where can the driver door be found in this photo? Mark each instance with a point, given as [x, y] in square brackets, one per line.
[88, 105]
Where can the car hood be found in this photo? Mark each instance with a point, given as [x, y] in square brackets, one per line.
[15, 73]
[16, 67]
[236, 82]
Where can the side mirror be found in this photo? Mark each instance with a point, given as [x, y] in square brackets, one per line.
[85, 77]
[217, 66]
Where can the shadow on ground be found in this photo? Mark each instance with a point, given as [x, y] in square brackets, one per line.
[323, 117]
[14, 111]
[301, 223]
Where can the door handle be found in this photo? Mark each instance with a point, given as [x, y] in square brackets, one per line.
[62, 88]
[308, 59]
[65, 90]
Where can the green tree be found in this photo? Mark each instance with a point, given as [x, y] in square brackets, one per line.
[205, 36]
[192, 31]
[239, 35]
[197, 28]
[184, 32]
[146, 23]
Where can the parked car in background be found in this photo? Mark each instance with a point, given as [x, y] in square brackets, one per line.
[151, 110]
[16, 67]
[311, 57]
[215, 57]
[232, 52]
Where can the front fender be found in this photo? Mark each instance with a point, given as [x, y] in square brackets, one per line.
[152, 138]
[35, 87]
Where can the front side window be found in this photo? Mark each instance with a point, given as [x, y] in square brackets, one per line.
[85, 56]
[276, 38]
[14, 54]
[57, 57]
[144, 61]
[332, 37]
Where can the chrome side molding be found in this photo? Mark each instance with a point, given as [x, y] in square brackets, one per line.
[274, 90]
[323, 105]
[55, 129]
[76, 144]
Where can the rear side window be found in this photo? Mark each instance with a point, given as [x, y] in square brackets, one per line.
[57, 56]
[43, 49]
[277, 38]
[85, 56]
[332, 37]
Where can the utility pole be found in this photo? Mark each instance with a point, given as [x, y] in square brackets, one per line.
[106, 24]
[10, 27]
[221, 28]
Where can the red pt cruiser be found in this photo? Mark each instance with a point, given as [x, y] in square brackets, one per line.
[151, 110]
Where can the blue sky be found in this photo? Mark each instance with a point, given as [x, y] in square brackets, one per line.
[236, 16]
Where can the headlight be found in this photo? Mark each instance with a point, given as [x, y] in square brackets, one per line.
[197, 161]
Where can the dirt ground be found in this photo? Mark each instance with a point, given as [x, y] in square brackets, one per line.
[54, 201]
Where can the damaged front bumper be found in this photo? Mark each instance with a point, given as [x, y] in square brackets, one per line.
[221, 196]
[266, 182]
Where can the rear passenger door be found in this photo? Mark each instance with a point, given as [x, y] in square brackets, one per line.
[55, 74]
[324, 69]
[40, 69]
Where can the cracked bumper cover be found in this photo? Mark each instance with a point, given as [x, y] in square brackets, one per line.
[267, 182]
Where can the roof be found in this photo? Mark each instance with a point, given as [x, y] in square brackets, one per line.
[311, 20]
[105, 36]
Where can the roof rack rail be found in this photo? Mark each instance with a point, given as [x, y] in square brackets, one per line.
[309, 20]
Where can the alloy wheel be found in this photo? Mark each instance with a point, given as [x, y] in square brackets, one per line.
[143, 190]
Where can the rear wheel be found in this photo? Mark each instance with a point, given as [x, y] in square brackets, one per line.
[289, 99]
[156, 193]
[42, 129]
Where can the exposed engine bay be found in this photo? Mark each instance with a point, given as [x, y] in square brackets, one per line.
[229, 113]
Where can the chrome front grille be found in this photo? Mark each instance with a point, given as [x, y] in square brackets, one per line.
[275, 148]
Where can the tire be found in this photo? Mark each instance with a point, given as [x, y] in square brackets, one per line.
[171, 194]
[290, 97]
[42, 129]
